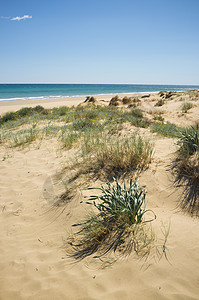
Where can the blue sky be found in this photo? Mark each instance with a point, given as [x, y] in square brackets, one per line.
[99, 41]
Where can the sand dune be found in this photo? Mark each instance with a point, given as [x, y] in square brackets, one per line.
[33, 261]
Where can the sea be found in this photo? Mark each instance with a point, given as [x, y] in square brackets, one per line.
[13, 92]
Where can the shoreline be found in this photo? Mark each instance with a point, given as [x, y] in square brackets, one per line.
[75, 96]
[13, 105]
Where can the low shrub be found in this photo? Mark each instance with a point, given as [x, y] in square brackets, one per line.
[60, 111]
[85, 124]
[158, 118]
[40, 110]
[9, 116]
[25, 111]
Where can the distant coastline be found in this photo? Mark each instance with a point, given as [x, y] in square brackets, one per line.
[16, 92]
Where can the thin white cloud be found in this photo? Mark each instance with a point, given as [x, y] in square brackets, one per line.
[21, 18]
[2, 17]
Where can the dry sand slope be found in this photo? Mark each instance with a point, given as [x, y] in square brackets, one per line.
[33, 263]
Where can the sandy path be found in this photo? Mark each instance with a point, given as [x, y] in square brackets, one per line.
[33, 262]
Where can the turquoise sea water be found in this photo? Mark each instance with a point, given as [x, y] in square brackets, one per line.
[12, 92]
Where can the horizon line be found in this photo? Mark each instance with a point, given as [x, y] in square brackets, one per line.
[171, 84]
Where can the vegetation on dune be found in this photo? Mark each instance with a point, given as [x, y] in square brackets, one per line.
[186, 106]
[69, 138]
[23, 112]
[77, 120]
[110, 156]
[160, 102]
[22, 137]
[185, 168]
[158, 118]
[117, 225]
[166, 129]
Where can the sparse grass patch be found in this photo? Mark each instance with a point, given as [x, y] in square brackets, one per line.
[186, 106]
[69, 138]
[111, 156]
[22, 138]
[137, 113]
[166, 129]
[51, 130]
[133, 116]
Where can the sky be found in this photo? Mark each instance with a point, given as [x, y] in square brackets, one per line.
[99, 41]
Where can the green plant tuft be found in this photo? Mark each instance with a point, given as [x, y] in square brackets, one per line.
[118, 224]
[166, 129]
[186, 106]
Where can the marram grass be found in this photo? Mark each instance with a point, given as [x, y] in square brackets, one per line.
[185, 168]
[111, 156]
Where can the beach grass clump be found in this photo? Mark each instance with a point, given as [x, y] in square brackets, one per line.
[69, 138]
[137, 113]
[51, 131]
[88, 112]
[166, 129]
[185, 168]
[137, 122]
[133, 116]
[92, 114]
[188, 141]
[117, 225]
[186, 106]
[110, 156]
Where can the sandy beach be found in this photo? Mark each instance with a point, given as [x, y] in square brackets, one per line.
[33, 258]
[6, 106]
